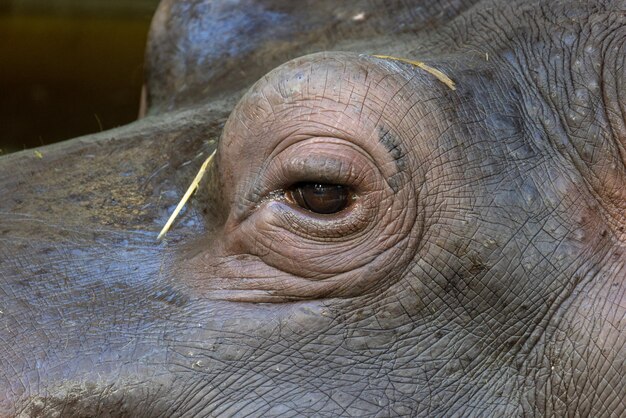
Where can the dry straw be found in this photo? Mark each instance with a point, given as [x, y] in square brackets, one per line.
[192, 188]
[440, 76]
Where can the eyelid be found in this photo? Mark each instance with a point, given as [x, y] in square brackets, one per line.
[326, 160]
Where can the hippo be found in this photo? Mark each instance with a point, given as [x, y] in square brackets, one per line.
[408, 208]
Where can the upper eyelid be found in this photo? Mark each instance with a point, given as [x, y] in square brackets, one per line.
[331, 166]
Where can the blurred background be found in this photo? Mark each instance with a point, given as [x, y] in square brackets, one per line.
[69, 67]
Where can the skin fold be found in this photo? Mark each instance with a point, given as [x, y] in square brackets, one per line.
[476, 266]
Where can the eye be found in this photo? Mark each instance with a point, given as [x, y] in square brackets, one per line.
[320, 198]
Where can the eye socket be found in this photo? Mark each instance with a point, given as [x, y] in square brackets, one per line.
[320, 198]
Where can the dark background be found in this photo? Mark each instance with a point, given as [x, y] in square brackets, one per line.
[69, 67]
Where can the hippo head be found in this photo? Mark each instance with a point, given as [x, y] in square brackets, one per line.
[414, 208]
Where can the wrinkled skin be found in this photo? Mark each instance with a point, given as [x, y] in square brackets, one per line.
[477, 269]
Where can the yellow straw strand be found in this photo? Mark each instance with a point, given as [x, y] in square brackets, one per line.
[438, 74]
[190, 190]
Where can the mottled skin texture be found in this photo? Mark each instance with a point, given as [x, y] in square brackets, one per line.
[480, 269]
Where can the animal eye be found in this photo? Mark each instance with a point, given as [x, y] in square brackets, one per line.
[320, 198]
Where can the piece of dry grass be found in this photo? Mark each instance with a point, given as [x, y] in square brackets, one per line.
[438, 74]
[188, 193]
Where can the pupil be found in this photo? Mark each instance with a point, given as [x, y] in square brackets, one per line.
[321, 198]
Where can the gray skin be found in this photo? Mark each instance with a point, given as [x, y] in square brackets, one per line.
[479, 268]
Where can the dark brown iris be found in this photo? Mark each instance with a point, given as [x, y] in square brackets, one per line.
[321, 198]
